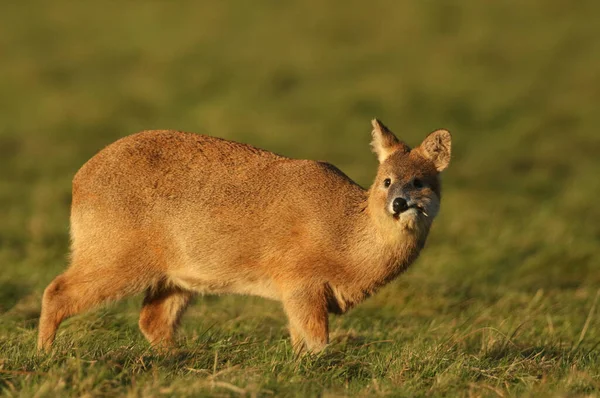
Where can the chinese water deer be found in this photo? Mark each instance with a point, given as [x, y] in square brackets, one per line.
[175, 214]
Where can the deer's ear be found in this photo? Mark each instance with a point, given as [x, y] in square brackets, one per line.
[384, 142]
[437, 147]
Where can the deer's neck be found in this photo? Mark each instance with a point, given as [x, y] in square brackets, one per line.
[383, 249]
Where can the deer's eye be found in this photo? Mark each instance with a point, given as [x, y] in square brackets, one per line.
[387, 182]
[417, 183]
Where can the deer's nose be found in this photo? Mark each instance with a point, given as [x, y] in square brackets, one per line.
[399, 205]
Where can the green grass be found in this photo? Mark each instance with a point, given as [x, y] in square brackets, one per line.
[504, 299]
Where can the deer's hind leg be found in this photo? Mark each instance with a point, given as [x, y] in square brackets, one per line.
[161, 312]
[83, 286]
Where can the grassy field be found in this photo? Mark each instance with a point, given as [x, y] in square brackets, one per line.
[502, 302]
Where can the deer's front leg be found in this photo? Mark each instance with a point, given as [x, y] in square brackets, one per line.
[307, 314]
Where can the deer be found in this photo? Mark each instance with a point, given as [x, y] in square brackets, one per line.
[173, 214]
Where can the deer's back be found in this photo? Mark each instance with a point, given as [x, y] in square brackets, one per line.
[152, 169]
[156, 167]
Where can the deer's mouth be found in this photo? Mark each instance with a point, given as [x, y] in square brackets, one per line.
[418, 209]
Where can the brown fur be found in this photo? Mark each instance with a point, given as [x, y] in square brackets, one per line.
[175, 214]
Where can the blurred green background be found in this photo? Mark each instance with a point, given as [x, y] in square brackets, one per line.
[516, 82]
